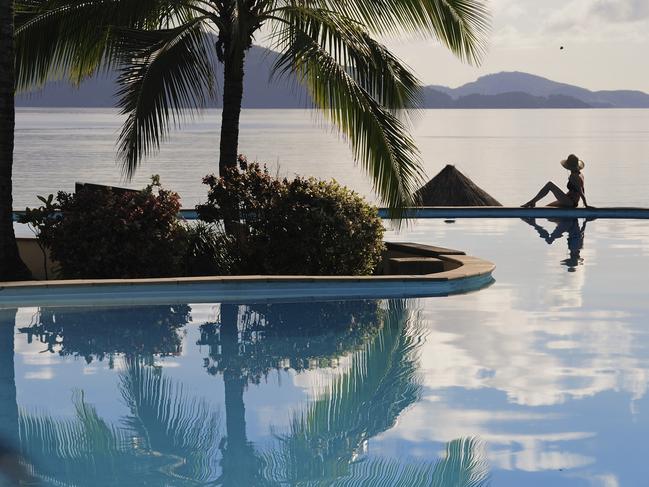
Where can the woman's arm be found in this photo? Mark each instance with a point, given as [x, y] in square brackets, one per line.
[582, 193]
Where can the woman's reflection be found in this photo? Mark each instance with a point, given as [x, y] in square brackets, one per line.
[575, 237]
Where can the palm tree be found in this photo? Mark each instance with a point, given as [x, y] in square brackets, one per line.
[11, 265]
[167, 51]
[324, 441]
[168, 438]
[12, 469]
[463, 465]
[365, 401]
[8, 404]
[167, 435]
[249, 341]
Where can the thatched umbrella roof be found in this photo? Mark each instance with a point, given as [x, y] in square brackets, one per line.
[452, 188]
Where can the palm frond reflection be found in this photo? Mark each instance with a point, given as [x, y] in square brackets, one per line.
[167, 437]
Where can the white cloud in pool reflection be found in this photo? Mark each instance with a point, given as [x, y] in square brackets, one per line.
[316, 381]
[567, 290]
[608, 480]
[536, 359]
[534, 457]
[506, 450]
[45, 373]
[529, 359]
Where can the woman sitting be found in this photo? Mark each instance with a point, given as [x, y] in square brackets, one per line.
[576, 189]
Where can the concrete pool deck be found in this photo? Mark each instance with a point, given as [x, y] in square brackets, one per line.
[461, 273]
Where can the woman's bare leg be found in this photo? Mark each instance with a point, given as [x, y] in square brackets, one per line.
[550, 187]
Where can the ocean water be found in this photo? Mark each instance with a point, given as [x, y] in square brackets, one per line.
[541, 379]
[510, 153]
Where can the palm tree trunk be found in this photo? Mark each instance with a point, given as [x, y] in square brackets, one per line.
[8, 404]
[232, 98]
[240, 464]
[11, 265]
[233, 463]
[233, 379]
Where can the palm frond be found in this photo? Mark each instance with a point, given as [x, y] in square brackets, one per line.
[461, 25]
[77, 449]
[355, 96]
[463, 465]
[168, 422]
[71, 38]
[363, 402]
[167, 76]
[371, 64]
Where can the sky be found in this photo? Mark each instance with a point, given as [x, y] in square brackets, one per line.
[606, 44]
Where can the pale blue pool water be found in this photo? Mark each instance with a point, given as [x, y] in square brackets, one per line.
[540, 379]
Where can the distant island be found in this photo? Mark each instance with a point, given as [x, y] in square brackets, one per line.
[500, 90]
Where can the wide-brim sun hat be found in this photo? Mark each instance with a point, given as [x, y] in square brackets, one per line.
[573, 163]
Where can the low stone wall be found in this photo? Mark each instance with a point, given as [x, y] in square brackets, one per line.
[399, 259]
[454, 273]
[406, 258]
[40, 264]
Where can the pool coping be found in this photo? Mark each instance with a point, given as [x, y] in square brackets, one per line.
[612, 212]
[471, 274]
[428, 212]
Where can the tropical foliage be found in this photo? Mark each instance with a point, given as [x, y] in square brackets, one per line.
[98, 333]
[463, 465]
[170, 437]
[282, 335]
[167, 52]
[294, 227]
[209, 251]
[100, 233]
[364, 401]
[325, 443]
[166, 438]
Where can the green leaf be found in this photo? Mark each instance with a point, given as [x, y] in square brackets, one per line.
[168, 76]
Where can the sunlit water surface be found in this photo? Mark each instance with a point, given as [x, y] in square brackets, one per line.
[510, 153]
[540, 379]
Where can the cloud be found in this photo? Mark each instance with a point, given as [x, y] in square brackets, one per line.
[620, 10]
[599, 19]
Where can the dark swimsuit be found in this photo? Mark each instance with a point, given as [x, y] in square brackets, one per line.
[573, 192]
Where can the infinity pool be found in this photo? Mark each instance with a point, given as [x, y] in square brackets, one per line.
[539, 380]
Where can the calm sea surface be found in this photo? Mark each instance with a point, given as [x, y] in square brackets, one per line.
[510, 153]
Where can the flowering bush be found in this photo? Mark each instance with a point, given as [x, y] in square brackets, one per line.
[99, 233]
[298, 226]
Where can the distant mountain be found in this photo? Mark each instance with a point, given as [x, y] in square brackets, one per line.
[440, 98]
[99, 91]
[516, 82]
[500, 90]
[518, 99]
[434, 98]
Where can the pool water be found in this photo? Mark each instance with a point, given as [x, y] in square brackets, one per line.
[540, 379]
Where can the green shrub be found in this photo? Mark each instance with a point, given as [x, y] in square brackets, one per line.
[98, 333]
[98, 233]
[209, 251]
[299, 226]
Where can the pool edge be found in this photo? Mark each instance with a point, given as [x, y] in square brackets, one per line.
[472, 274]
